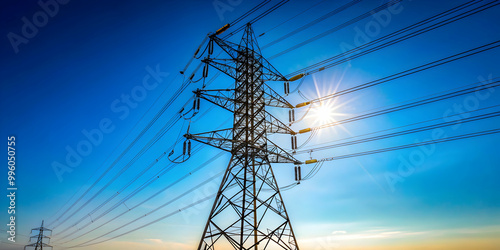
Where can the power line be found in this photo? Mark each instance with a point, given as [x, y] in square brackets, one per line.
[109, 156]
[433, 99]
[337, 28]
[155, 177]
[398, 127]
[411, 71]
[314, 22]
[166, 128]
[300, 13]
[151, 212]
[436, 141]
[257, 18]
[406, 132]
[251, 11]
[344, 57]
[152, 222]
[480, 87]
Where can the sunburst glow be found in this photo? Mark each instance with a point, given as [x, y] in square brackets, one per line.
[323, 113]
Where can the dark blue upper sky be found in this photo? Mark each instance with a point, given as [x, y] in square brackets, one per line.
[77, 69]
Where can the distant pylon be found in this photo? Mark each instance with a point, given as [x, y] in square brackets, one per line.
[248, 212]
[39, 244]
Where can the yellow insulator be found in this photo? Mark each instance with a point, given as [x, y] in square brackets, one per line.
[302, 131]
[311, 161]
[302, 104]
[224, 28]
[297, 77]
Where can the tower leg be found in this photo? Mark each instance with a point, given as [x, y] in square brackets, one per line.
[248, 212]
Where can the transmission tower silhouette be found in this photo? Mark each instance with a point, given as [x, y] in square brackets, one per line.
[248, 212]
[39, 244]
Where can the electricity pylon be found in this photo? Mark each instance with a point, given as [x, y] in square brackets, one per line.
[248, 212]
[39, 244]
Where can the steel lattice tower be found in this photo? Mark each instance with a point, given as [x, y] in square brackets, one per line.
[39, 244]
[248, 212]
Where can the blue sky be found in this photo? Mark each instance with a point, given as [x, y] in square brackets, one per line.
[76, 70]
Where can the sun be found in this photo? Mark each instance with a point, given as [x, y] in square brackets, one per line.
[323, 113]
[323, 117]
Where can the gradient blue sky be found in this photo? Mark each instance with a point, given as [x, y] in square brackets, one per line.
[90, 53]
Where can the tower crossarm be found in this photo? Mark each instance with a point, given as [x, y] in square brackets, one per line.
[37, 245]
[274, 125]
[221, 97]
[227, 66]
[229, 47]
[234, 50]
[273, 99]
[225, 98]
[41, 229]
[221, 139]
[279, 155]
[36, 236]
[270, 73]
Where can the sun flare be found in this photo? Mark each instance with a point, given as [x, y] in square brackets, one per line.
[324, 114]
